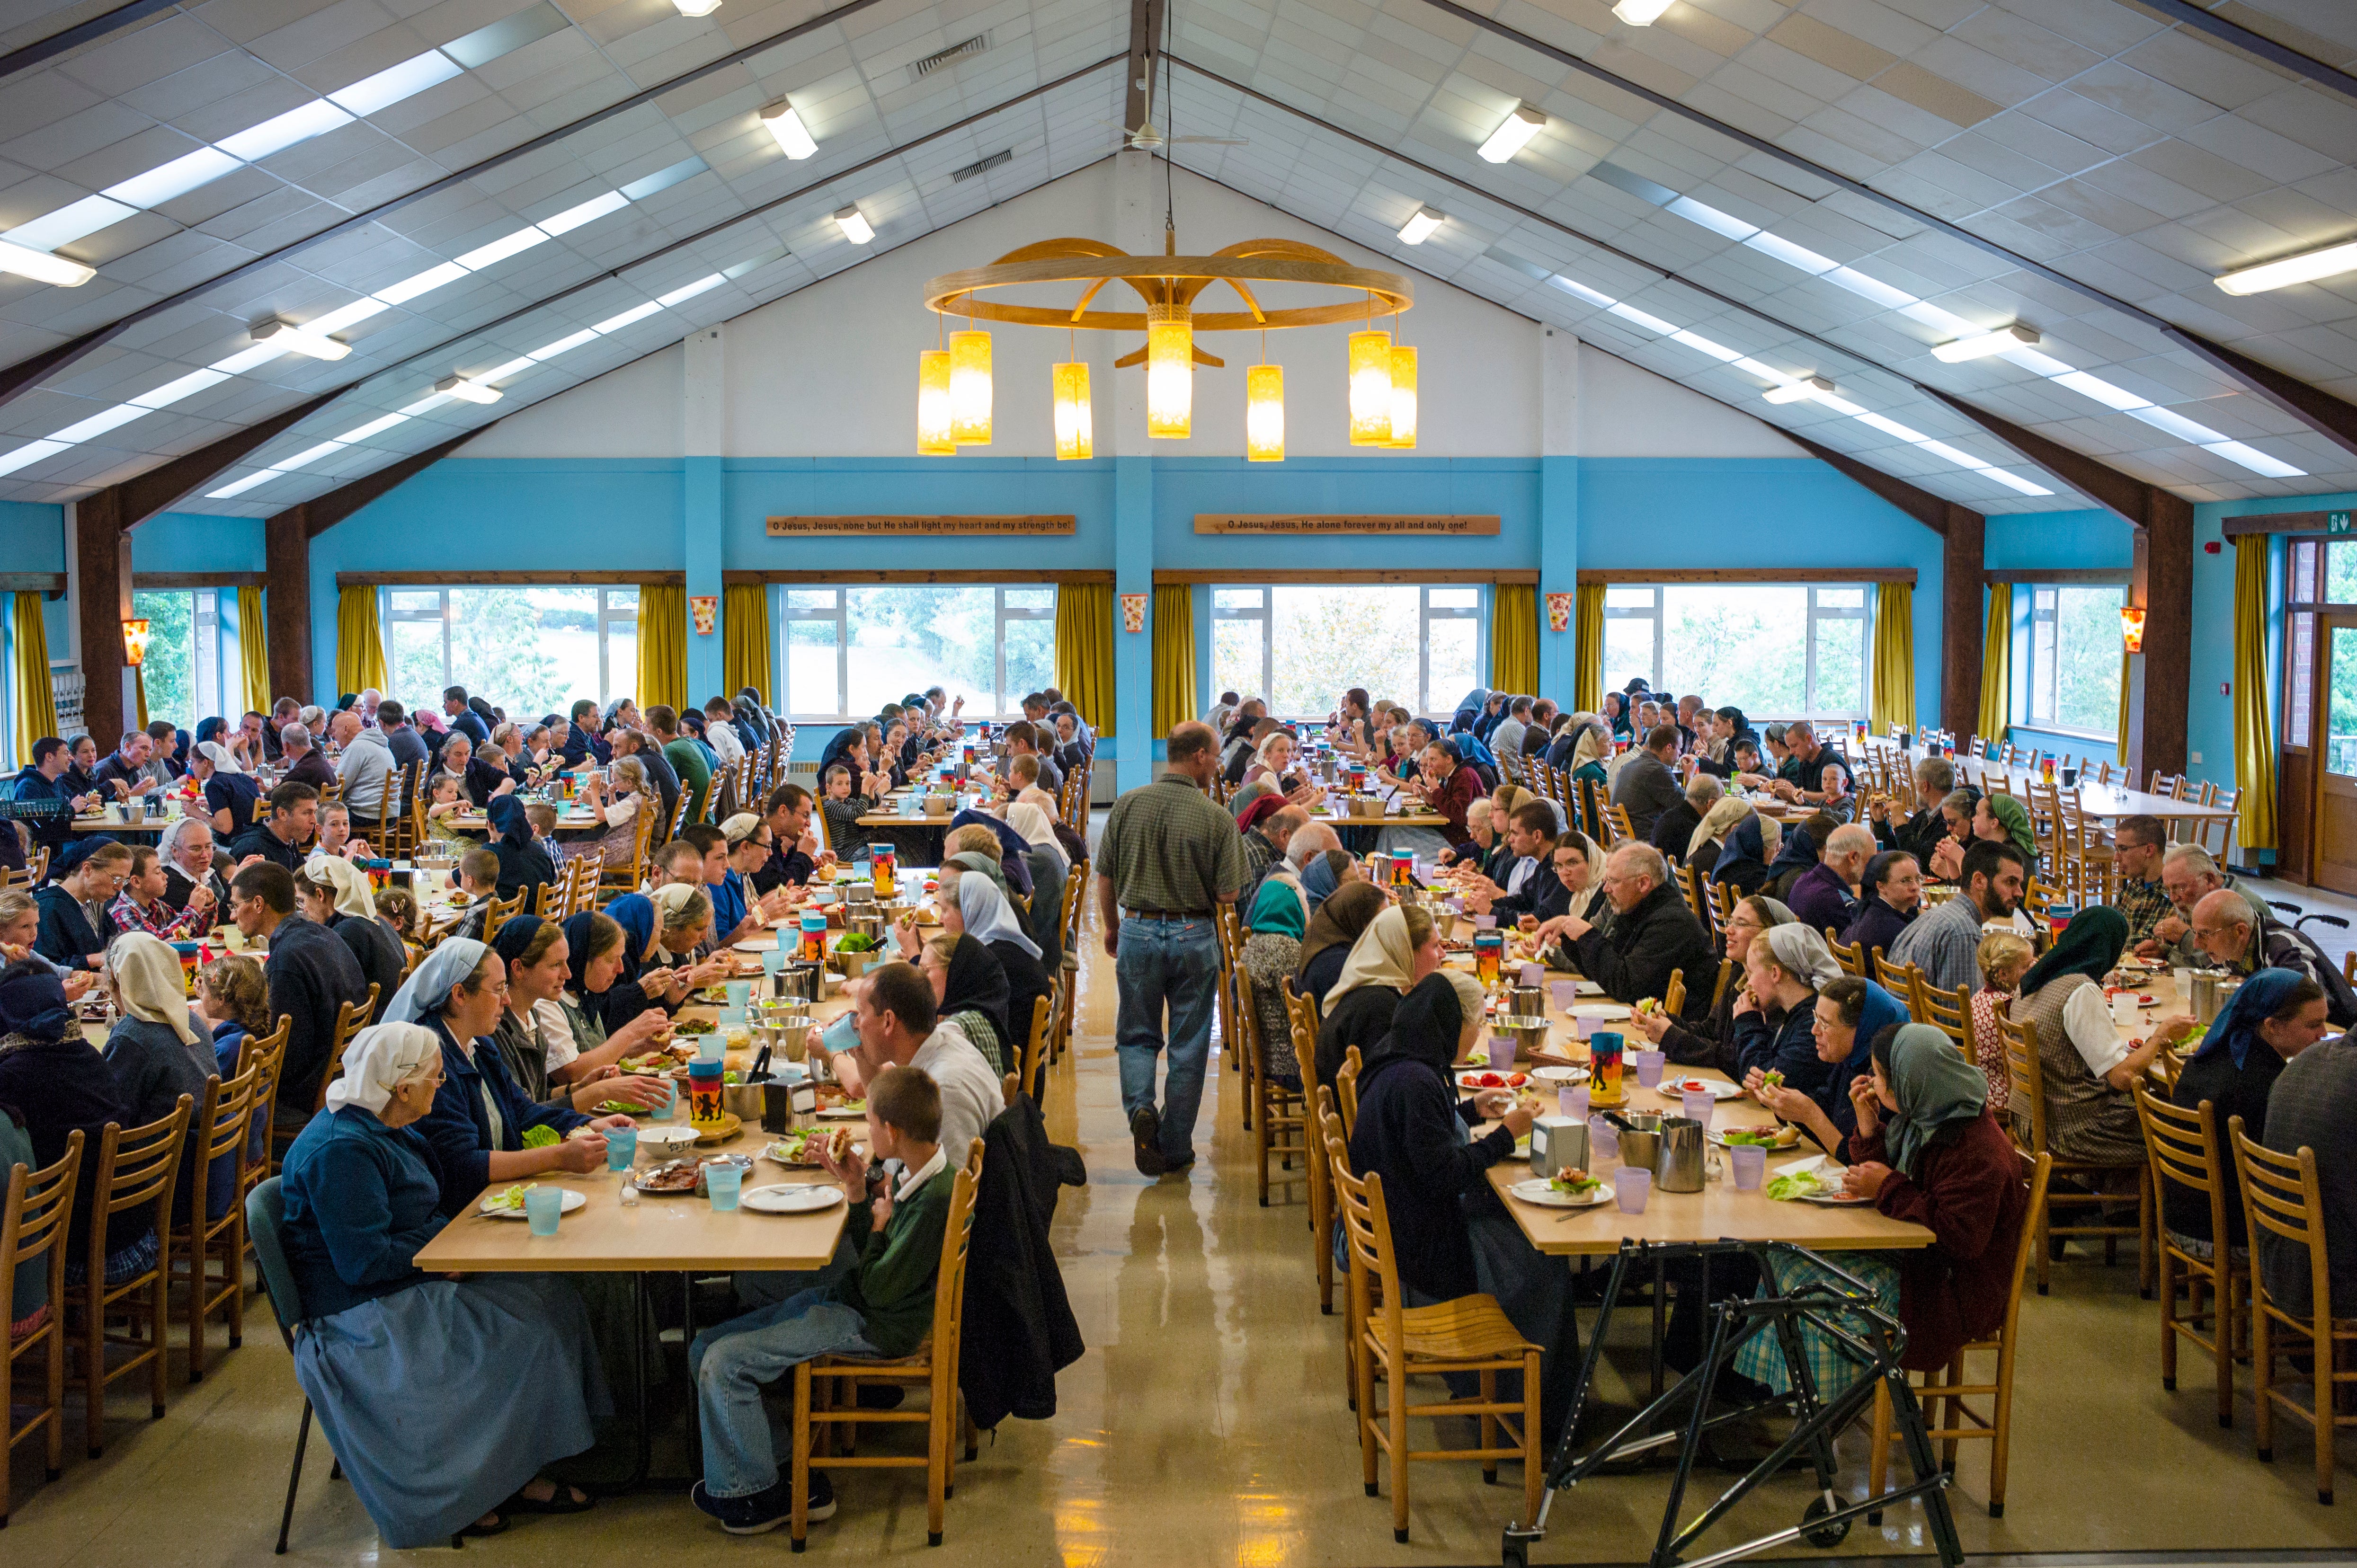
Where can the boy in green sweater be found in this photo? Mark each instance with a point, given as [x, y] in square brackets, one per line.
[883, 1307]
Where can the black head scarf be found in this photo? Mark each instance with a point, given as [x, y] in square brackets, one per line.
[1425, 1027]
[977, 983]
[33, 1003]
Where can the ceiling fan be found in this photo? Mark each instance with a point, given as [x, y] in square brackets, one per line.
[1146, 136]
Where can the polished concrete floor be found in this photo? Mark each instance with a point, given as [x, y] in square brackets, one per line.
[1206, 1424]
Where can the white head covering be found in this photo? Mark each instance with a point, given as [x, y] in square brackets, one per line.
[738, 827]
[1032, 795]
[1036, 829]
[168, 846]
[1384, 955]
[429, 984]
[379, 1058]
[988, 917]
[147, 978]
[217, 754]
[351, 883]
[1801, 952]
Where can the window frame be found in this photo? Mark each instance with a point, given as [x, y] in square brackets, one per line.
[1427, 613]
[2045, 672]
[604, 618]
[1817, 613]
[1002, 614]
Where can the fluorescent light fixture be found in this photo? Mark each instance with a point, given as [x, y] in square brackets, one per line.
[430, 400]
[616, 323]
[2331, 261]
[1792, 255]
[1420, 225]
[470, 391]
[1639, 13]
[514, 367]
[565, 345]
[572, 218]
[43, 267]
[686, 292]
[189, 385]
[98, 423]
[390, 86]
[432, 277]
[309, 455]
[1650, 323]
[2176, 424]
[697, 7]
[30, 453]
[345, 316]
[2101, 390]
[793, 137]
[1798, 391]
[70, 223]
[500, 248]
[178, 177]
[2002, 341]
[280, 131]
[2014, 481]
[1712, 218]
[1702, 345]
[2254, 459]
[1514, 134]
[376, 426]
[1890, 427]
[238, 487]
[854, 225]
[288, 338]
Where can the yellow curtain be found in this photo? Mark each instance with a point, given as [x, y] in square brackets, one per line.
[1085, 652]
[1894, 657]
[1996, 666]
[2255, 738]
[360, 646]
[139, 691]
[253, 645]
[1514, 638]
[37, 708]
[745, 656]
[663, 646]
[1174, 657]
[1587, 650]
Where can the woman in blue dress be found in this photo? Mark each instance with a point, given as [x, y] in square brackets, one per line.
[443, 1398]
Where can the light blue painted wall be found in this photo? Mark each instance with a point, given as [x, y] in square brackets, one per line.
[33, 539]
[191, 541]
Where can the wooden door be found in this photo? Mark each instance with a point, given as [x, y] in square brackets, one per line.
[2333, 836]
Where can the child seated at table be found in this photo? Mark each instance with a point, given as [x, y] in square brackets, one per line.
[445, 800]
[479, 879]
[844, 806]
[882, 1308]
[2003, 959]
[542, 818]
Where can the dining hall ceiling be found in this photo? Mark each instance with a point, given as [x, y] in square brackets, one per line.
[1741, 195]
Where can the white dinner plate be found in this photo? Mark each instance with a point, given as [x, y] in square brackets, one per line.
[1835, 1200]
[1543, 1194]
[769, 1152]
[1559, 1075]
[790, 1198]
[1671, 1089]
[842, 1114]
[573, 1200]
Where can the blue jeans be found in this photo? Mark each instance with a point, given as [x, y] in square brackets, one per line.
[1177, 963]
[731, 1362]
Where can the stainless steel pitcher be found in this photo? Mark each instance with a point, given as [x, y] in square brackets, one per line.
[1682, 1165]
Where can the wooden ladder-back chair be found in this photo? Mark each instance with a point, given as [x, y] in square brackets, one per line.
[1228, 930]
[2027, 1105]
[1727, 970]
[1346, 1090]
[1035, 1045]
[2281, 1197]
[614, 880]
[1396, 1342]
[351, 1017]
[1948, 1011]
[267, 1052]
[826, 1391]
[2184, 1147]
[136, 1168]
[1851, 956]
[1899, 979]
[1280, 1116]
[1617, 825]
[2216, 834]
[1697, 894]
[1947, 1391]
[2165, 783]
[1301, 1014]
[500, 912]
[1673, 995]
[222, 1130]
[33, 1229]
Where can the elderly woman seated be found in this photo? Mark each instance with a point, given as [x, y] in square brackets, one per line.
[442, 1396]
[1815, 1027]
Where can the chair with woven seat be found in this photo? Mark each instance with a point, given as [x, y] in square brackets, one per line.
[1280, 1119]
[1468, 1335]
[2184, 1148]
[1946, 1390]
[2281, 1197]
[32, 1228]
[933, 1364]
[136, 1168]
[222, 1131]
[2028, 1104]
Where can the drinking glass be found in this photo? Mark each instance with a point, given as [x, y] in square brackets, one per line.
[1750, 1162]
[1699, 1104]
[1649, 1067]
[1630, 1188]
[622, 1147]
[542, 1205]
[723, 1183]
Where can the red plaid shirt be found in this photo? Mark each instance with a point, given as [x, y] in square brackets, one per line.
[158, 920]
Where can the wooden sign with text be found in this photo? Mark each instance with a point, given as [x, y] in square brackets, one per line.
[1342, 522]
[1032, 523]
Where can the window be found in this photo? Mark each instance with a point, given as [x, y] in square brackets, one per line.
[1774, 650]
[532, 650]
[183, 670]
[850, 650]
[2075, 659]
[1301, 646]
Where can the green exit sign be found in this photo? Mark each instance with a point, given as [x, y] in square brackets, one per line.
[2336, 523]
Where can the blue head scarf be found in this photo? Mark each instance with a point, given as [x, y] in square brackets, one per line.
[1318, 880]
[1798, 853]
[1744, 842]
[2259, 998]
[209, 730]
[988, 917]
[33, 1003]
[428, 987]
[508, 821]
[635, 913]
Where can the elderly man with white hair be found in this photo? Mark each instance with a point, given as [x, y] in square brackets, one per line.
[1653, 935]
[2189, 874]
[1825, 897]
[2232, 939]
[1316, 838]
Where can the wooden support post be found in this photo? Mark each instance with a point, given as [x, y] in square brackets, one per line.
[1963, 623]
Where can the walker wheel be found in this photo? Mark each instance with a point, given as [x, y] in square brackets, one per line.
[1832, 1534]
